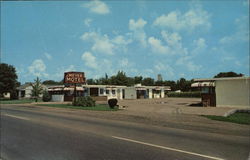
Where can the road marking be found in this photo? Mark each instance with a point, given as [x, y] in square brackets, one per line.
[23, 118]
[168, 148]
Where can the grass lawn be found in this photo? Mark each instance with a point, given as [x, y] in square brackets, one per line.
[18, 101]
[241, 118]
[98, 107]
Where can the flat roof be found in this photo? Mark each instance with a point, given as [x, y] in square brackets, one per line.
[219, 79]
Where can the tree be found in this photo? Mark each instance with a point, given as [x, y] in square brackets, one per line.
[52, 82]
[46, 96]
[228, 74]
[91, 81]
[138, 79]
[184, 85]
[159, 83]
[119, 79]
[131, 81]
[36, 88]
[172, 85]
[148, 81]
[8, 79]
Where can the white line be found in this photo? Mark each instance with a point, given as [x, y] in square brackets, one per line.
[167, 148]
[23, 118]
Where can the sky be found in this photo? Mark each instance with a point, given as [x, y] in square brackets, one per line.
[190, 39]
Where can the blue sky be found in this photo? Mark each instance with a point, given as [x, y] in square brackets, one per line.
[190, 39]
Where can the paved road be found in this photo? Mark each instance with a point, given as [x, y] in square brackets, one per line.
[47, 135]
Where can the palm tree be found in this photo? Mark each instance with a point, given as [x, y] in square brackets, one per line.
[36, 88]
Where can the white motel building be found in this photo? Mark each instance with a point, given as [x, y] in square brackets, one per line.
[62, 93]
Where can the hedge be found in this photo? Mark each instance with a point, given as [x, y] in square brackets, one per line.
[184, 94]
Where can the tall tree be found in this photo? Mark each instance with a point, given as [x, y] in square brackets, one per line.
[36, 88]
[91, 81]
[52, 82]
[120, 79]
[138, 79]
[159, 83]
[184, 85]
[228, 74]
[172, 85]
[148, 81]
[8, 79]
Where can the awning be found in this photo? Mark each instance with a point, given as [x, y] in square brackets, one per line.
[203, 84]
[71, 89]
[55, 89]
[140, 88]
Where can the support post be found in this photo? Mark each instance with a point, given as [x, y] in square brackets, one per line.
[75, 94]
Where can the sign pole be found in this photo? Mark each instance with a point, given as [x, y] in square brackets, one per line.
[75, 94]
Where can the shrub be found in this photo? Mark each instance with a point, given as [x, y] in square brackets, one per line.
[112, 102]
[184, 94]
[13, 95]
[46, 96]
[84, 101]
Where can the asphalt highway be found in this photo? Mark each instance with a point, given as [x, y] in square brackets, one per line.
[47, 135]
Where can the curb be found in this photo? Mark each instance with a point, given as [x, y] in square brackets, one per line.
[236, 111]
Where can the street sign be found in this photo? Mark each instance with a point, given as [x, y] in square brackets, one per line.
[74, 78]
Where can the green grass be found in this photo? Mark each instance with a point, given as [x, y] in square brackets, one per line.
[98, 107]
[240, 118]
[18, 101]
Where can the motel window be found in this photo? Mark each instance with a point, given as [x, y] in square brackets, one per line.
[113, 91]
[107, 91]
[205, 90]
[101, 90]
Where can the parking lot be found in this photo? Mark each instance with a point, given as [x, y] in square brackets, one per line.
[163, 106]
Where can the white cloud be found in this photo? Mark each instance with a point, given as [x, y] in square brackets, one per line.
[193, 67]
[188, 21]
[241, 34]
[157, 46]
[172, 39]
[48, 56]
[104, 44]
[164, 68]
[138, 31]
[101, 43]
[172, 46]
[87, 22]
[70, 68]
[187, 62]
[200, 46]
[97, 7]
[38, 68]
[124, 62]
[200, 43]
[136, 25]
[120, 40]
[89, 60]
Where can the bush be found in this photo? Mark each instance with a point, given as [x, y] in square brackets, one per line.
[84, 101]
[13, 95]
[184, 94]
[46, 96]
[112, 102]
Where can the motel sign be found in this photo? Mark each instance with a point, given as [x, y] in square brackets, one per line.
[74, 77]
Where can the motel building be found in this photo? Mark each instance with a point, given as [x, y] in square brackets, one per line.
[224, 92]
[61, 93]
